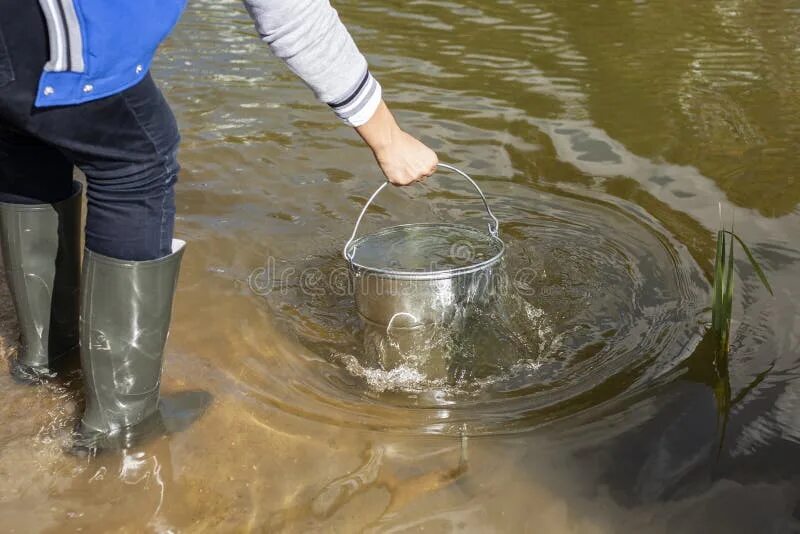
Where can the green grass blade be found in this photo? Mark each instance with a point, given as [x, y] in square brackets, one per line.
[716, 299]
[753, 262]
[728, 296]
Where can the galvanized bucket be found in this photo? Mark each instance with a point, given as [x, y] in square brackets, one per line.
[412, 275]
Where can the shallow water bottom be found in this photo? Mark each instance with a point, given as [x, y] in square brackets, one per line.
[234, 472]
[246, 468]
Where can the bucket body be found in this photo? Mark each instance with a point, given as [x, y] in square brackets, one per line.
[416, 294]
[407, 302]
[422, 274]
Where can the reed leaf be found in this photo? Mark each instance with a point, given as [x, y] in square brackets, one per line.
[718, 311]
[753, 262]
[727, 296]
[722, 295]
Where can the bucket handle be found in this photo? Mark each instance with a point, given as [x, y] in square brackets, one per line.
[493, 225]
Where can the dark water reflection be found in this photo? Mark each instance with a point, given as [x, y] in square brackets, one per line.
[605, 134]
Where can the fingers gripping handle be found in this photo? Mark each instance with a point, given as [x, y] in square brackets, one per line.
[493, 224]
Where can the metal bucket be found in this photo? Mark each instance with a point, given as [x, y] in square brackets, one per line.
[412, 275]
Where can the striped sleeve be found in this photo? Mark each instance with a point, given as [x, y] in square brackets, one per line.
[311, 39]
[360, 102]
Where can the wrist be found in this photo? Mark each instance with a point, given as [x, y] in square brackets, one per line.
[380, 131]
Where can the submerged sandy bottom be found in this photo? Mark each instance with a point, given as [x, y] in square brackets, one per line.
[245, 468]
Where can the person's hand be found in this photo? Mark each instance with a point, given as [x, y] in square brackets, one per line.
[406, 160]
[402, 158]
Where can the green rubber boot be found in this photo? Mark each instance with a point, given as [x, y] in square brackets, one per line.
[41, 254]
[125, 314]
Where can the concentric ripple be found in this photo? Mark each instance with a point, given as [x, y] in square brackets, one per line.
[601, 302]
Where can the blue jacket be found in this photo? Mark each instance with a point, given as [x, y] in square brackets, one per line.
[100, 47]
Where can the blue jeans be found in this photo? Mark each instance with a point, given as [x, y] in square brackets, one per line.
[125, 144]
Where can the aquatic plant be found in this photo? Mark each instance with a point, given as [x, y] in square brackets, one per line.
[722, 295]
[719, 333]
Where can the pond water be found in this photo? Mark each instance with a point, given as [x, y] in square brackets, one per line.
[606, 136]
[431, 249]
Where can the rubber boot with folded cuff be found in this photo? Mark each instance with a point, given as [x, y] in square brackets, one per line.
[125, 314]
[41, 254]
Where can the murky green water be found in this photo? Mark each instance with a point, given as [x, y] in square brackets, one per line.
[605, 135]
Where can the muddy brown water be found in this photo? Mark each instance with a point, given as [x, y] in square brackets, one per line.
[605, 135]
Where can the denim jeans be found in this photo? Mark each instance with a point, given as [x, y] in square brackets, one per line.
[126, 145]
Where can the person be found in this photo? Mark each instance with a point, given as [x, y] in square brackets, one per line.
[75, 90]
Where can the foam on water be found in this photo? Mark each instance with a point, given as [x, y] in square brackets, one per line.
[404, 377]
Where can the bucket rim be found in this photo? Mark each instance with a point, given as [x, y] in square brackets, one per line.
[425, 275]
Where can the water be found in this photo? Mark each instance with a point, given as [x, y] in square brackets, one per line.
[425, 248]
[605, 135]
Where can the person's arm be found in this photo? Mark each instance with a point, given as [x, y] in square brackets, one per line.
[309, 37]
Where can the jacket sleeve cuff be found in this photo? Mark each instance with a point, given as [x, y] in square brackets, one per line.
[360, 102]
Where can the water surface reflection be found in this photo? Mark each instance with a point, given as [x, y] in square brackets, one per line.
[606, 134]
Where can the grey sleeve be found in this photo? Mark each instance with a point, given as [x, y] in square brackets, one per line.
[309, 37]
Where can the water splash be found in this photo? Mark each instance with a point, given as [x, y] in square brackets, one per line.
[481, 346]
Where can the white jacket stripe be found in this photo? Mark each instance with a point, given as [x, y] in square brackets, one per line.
[74, 38]
[57, 34]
